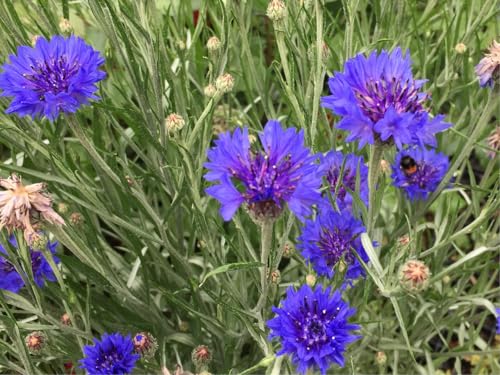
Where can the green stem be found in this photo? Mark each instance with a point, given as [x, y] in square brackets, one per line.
[373, 174]
[266, 231]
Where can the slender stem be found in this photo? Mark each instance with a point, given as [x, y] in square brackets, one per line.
[266, 231]
[277, 365]
[373, 174]
[319, 70]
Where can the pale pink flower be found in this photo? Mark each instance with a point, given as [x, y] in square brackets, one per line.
[488, 68]
[22, 207]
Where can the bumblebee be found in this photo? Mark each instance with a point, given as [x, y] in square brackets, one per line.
[408, 165]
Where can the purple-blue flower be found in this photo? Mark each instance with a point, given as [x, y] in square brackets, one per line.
[114, 354]
[12, 281]
[378, 99]
[498, 320]
[343, 170]
[312, 326]
[488, 69]
[282, 172]
[423, 177]
[54, 76]
[330, 238]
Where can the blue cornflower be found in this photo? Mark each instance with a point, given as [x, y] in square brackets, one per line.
[52, 77]
[312, 327]
[330, 238]
[498, 320]
[331, 167]
[114, 354]
[378, 99]
[282, 172]
[488, 69]
[419, 171]
[12, 281]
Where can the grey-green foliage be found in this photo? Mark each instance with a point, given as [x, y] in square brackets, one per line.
[152, 252]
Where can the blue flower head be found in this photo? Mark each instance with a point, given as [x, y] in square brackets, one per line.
[342, 170]
[498, 320]
[378, 99]
[12, 281]
[330, 238]
[419, 171]
[52, 77]
[283, 171]
[313, 328]
[114, 354]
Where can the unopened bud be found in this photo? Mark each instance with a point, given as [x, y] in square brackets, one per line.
[414, 275]
[275, 277]
[404, 240]
[65, 319]
[325, 52]
[276, 10]
[201, 357]
[460, 48]
[381, 358]
[183, 326]
[65, 26]
[213, 44]
[385, 167]
[210, 91]
[34, 38]
[446, 279]
[310, 280]
[38, 241]
[224, 83]
[145, 345]
[288, 249]
[181, 45]
[174, 122]
[36, 341]
[76, 218]
[62, 208]
[130, 180]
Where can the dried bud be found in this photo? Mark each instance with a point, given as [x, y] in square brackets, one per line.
[494, 142]
[62, 208]
[201, 357]
[381, 358]
[460, 48]
[174, 122]
[414, 276]
[310, 280]
[76, 218]
[210, 91]
[275, 277]
[36, 341]
[65, 26]
[276, 10]
[38, 241]
[488, 69]
[224, 83]
[65, 319]
[213, 44]
[404, 240]
[288, 249]
[145, 345]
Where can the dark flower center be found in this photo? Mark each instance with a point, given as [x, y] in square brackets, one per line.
[422, 176]
[52, 75]
[313, 328]
[335, 245]
[377, 96]
[108, 361]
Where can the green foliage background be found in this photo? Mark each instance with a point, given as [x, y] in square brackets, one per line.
[152, 252]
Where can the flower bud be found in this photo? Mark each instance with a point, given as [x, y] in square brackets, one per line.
[65, 319]
[276, 10]
[414, 276]
[381, 358]
[181, 45]
[213, 44]
[65, 26]
[38, 241]
[385, 167]
[275, 277]
[174, 122]
[183, 326]
[62, 208]
[145, 345]
[224, 83]
[325, 52]
[76, 218]
[210, 91]
[36, 341]
[201, 357]
[310, 280]
[460, 48]
[34, 38]
[288, 249]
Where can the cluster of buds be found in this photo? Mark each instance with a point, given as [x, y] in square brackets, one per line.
[414, 275]
[21, 207]
[36, 342]
[145, 345]
[174, 122]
